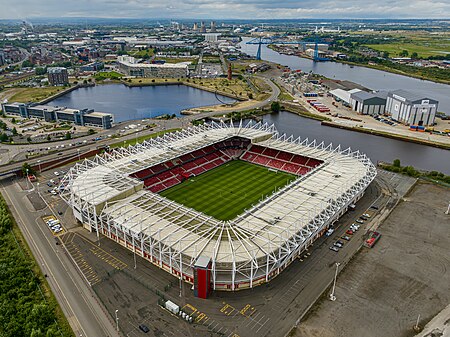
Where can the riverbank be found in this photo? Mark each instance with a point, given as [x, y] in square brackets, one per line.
[387, 135]
[393, 71]
[159, 82]
[371, 66]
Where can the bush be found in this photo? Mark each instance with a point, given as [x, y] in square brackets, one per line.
[396, 163]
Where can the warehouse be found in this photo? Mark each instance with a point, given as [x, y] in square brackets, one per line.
[341, 95]
[368, 103]
[411, 109]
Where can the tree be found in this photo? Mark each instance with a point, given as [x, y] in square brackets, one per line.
[386, 55]
[414, 55]
[250, 95]
[275, 106]
[14, 131]
[49, 138]
[396, 163]
[91, 132]
[403, 53]
[29, 140]
[13, 120]
[68, 135]
[25, 167]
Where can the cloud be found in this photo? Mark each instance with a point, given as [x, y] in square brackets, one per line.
[236, 9]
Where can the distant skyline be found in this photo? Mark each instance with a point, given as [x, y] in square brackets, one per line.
[229, 9]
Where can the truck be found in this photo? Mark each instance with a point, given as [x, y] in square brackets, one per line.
[374, 236]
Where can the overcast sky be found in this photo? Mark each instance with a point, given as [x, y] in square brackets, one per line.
[225, 9]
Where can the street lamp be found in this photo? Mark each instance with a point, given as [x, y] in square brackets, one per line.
[78, 150]
[332, 296]
[27, 178]
[117, 320]
[39, 163]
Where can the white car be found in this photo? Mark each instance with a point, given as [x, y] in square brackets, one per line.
[366, 215]
[56, 173]
[329, 232]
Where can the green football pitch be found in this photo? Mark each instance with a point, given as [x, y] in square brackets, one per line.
[225, 191]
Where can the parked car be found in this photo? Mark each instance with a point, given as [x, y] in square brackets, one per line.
[337, 244]
[349, 232]
[366, 215]
[56, 173]
[362, 217]
[329, 232]
[60, 213]
[345, 237]
[359, 221]
[334, 249]
[374, 207]
[144, 328]
[49, 184]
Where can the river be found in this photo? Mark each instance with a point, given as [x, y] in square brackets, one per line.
[375, 147]
[130, 103]
[370, 78]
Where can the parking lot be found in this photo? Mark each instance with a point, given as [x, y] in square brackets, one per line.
[267, 310]
[384, 289]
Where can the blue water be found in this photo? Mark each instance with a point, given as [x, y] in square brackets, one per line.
[130, 103]
[370, 78]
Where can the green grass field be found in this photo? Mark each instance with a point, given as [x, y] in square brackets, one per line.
[224, 192]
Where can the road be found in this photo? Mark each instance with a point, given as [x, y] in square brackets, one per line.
[84, 313]
[19, 150]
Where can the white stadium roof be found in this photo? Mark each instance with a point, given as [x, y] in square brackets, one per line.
[247, 248]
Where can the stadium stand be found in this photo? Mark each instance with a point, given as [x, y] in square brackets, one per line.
[172, 172]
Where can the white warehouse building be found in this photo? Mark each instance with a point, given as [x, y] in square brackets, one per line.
[412, 109]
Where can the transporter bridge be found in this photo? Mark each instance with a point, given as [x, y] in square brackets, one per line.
[280, 40]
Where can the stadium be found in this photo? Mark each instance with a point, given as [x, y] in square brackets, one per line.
[217, 205]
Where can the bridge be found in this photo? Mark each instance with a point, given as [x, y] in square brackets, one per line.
[281, 40]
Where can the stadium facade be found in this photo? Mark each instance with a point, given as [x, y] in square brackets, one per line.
[116, 194]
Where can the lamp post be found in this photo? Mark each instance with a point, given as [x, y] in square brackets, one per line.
[332, 296]
[117, 320]
[78, 150]
[39, 163]
[27, 178]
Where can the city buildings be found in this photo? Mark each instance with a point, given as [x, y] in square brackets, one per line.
[130, 67]
[58, 76]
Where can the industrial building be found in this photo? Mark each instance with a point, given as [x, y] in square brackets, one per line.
[116, 195]
[211, 37]
[368, 103]
[82, 117]
[58, 76]
[410, 108]
[130, 67]
[341, 95]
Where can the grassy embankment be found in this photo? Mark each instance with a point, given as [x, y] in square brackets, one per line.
[433, 176]
[234, 88]
[28, 307]
[34, 94]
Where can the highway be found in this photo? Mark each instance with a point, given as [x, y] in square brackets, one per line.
[85, 315]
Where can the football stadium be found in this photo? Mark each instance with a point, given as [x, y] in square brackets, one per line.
[221, 206]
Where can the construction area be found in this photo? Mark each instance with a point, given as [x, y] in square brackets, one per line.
[405, 275]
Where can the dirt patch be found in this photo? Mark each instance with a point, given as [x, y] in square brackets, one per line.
[384, 289]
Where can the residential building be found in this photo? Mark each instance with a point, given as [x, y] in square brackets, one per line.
[58, 76]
